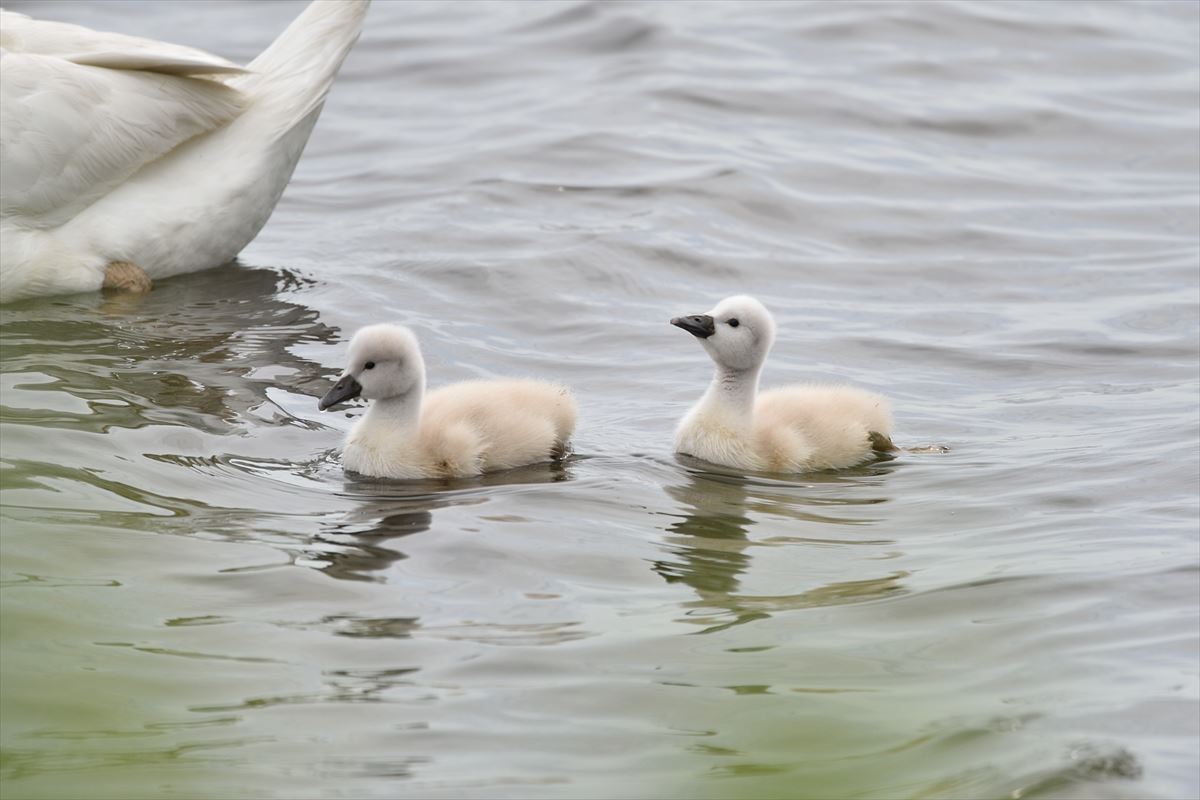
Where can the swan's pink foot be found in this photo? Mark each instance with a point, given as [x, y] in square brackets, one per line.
[122, 276]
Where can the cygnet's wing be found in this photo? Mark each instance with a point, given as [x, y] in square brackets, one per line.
[70, 132]
[84, 46]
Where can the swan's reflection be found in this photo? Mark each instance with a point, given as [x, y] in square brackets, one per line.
[199, 351]
[710, 541]
[164, 412]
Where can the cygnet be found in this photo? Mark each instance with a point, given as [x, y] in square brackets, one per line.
[456, 431]
[792, 429]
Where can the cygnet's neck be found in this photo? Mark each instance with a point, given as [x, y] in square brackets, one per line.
[733, 391]
[400, 412]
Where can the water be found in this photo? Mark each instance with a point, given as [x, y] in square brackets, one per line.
[988, 212]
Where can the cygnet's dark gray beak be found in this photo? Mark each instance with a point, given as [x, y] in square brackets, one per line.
[345, 389]
[699, 325]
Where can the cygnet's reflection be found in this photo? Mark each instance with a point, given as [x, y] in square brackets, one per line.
[710, 541]
[710, 537]
[360, 545]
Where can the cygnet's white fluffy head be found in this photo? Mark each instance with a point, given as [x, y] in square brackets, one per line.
[385, 361]
[737, 333]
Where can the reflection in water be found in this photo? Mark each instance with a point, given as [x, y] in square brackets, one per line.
[198, 352]
[512, 634]
[341, 686]
[711, 537]
[124, 408]
[357, 545]
[711, 542]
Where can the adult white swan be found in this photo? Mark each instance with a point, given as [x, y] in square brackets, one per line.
[124, 160]
[791, 429]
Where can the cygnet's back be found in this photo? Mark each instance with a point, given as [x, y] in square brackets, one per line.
[456, 431]
[801, 428]
[499, 423]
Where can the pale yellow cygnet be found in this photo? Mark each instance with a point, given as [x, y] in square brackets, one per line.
[456, 431]
[792, 429]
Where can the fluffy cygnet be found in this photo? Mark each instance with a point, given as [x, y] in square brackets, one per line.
[793, 429]
[457, 431]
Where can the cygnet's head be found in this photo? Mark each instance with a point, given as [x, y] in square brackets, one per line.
[737, 334]
[385, 361]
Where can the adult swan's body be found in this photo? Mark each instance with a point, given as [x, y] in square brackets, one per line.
[124, 160]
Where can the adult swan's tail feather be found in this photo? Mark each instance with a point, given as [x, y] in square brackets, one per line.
[248, 164]
[288, 82]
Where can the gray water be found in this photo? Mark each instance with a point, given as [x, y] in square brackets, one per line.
[988, 212]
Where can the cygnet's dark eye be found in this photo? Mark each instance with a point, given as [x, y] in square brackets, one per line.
[733, 323]
[369, 365]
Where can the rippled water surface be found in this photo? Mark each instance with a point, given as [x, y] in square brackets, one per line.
[987, 211]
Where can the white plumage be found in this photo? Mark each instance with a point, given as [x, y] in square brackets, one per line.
[456, 431]
[792, 429]
[160, 158]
